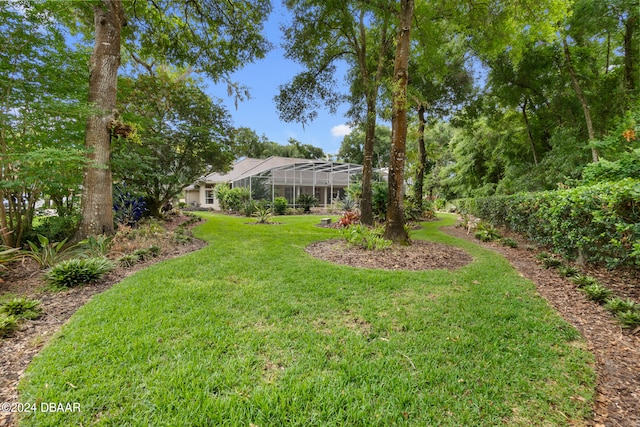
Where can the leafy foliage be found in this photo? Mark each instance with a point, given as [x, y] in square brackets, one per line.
[597, 292]
[21, 308]
[47, 253]
[262, 214]
[280, 205]
[129, 208]
[232, 199]
[600, 223]
[8, 324]
[96, 246]
[349, 218]
[486, 232]
[365, 237]
[306, 202]
[78, 271]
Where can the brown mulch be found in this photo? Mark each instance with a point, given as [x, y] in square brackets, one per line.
[26, 279]
[617, 350]
[421, 255]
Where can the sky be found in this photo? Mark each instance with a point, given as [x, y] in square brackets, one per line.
[263, 77]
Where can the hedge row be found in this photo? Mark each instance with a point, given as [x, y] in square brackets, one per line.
[598, 223]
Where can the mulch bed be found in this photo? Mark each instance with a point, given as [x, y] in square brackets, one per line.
[421, 255]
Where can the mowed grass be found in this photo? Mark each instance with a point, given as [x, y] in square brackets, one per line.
[253, 331]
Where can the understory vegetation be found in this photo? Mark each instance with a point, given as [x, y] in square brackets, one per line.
[253, 331]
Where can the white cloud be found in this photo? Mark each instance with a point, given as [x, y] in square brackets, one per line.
[340, 130]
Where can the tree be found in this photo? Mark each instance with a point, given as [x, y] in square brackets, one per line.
[248, 144]
[394, 229]
[213, 37]
[323, 33]
[352, 147]
[40, 118]
[181, 134]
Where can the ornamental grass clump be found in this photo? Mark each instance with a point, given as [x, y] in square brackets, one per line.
[78, 271]
[597, 292]
[21, 308]
[8, 324]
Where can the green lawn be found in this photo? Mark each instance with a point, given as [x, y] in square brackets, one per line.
[252, 330]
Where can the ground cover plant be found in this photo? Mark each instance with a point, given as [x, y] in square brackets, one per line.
[252, 330]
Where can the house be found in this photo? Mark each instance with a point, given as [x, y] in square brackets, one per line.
[277, 177]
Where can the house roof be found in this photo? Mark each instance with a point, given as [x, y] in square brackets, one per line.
[249, 167]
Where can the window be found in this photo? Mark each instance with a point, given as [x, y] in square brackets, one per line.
[209, 194]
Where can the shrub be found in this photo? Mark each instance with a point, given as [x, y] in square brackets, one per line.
[154, 250]
[347, 204]
[581, 280]
[306, 202]
[54, 228]
[567, 271]
[486, 232]
[366, 238]
[232, 199]
[551, 262]
[599, 223]
[128, 260]
[262, 214]
[96, 246]
[597, 292]
[128, 208]
[379, 199]
[280, 205]
[8, 324]
[629, 319]
[47, 253]
[248, 208]
[508, 241]
[618, 305]
[78, 271]
[21, 308]
[348, 218]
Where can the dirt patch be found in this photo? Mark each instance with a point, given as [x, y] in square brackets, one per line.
[421, 255]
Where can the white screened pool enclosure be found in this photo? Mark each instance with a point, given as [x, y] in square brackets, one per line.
[278, 177]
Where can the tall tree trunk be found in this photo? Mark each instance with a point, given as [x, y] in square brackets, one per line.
[366, 201]
[581, 98]
[422, 157]
[394, 229]
[97, 205]
[630, 54]
[529, 134]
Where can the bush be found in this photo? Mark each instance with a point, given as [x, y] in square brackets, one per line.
[486, 232]
[78, 271]
[262, 214]
[380, 198]
[8, 324]
[47, 253]
[597, 292]
[232, 199]
[629, 319]
[306, 202]
[618, 305]
[128, 208]
[280, 205]
[96, 246]
[128, 260]
[567, 271]
[54, 228]
[366, 238]
[508, 241]
[21, 308]
[598, 223]
[581, 280]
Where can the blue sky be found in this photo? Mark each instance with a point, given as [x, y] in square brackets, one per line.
[263, 78]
